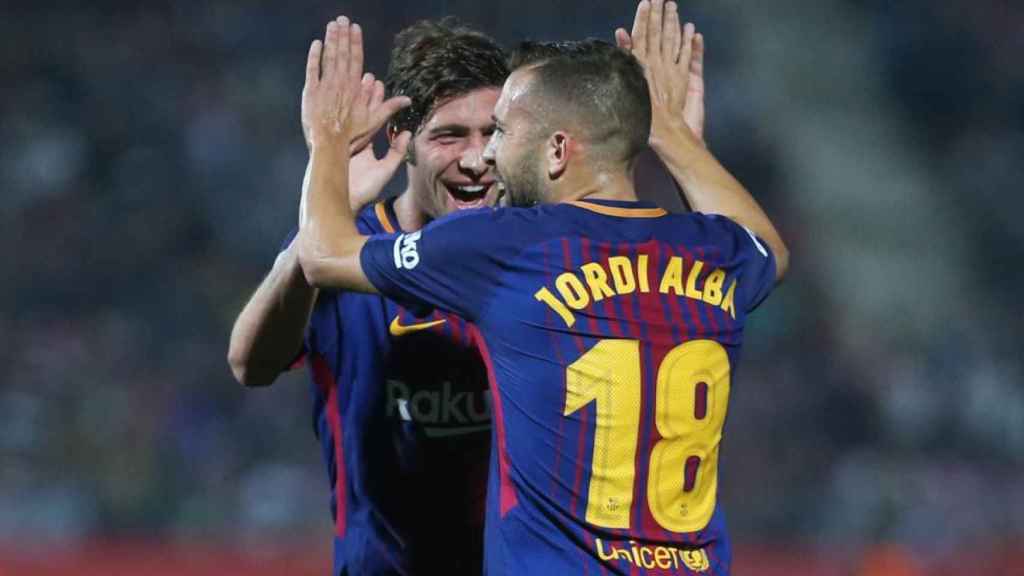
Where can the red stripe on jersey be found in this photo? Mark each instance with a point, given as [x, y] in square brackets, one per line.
[690, 302]
[673, 301]
[629, 300]
[609, 310]
[553, 338]
[443, 328]
[567, 264]
[711, 309]
[456, 325]
[325, 381]
[655, 319]
[585, 255]
[507, 491]
[652, 312]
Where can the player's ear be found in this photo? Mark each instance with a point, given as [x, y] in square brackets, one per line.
[557, 152]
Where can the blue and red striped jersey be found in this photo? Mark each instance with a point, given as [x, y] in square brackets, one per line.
[611, 332]
[403, 417]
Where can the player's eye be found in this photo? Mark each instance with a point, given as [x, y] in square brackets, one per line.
[446, 138]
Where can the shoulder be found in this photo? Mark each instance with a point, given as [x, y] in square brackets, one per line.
[496, 226]
[376, 218]
[726, 230]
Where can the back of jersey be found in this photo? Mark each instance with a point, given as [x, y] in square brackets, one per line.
[611, 331]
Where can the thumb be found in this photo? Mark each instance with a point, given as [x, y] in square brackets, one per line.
[388, 108]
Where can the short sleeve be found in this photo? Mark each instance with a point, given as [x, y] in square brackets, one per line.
[754, 260]
[452, 264]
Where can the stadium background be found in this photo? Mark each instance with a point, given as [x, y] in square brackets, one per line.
[150, 156]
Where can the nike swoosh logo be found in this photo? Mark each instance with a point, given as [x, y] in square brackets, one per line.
[397, 329]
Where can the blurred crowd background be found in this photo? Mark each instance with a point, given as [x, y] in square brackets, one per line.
[150, 162]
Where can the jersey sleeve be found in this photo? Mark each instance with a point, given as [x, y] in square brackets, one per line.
[452, 264]
[754, 260]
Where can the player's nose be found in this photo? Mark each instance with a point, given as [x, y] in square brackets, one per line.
[472, 160]
[488, 154]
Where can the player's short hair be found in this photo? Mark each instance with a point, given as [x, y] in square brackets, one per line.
[530, 52]
[595, 85]
[435, 61]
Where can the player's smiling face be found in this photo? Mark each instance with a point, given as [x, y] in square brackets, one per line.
[449, 172]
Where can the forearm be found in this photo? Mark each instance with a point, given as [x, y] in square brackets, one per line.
[268, 333]
[708, 187]
[329, 242]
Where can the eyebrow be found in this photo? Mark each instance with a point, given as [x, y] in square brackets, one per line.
[453, 128]
[457, 128]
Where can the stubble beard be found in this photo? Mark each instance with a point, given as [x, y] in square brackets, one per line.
[523, 183]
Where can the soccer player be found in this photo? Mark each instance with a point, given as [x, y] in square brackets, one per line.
[611, 330]
[401, 407]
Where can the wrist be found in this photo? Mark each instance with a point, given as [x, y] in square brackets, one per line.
[337, 147]
[680, 145]
[674, 134]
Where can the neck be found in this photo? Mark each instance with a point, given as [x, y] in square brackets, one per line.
[601, 186]
[409, 215]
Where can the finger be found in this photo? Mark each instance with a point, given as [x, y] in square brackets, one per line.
[622, 39]
[639, 35]
[366, 91]
[330, 51]
[672, 36]
[697, 58]
[694, 111]
[378, 95]
[396, 153]
[654, 31]
[367, 87]
[686, 51]
[344, 53]
[356, 47]
[388, 109]
[365, 156]
[313, 63]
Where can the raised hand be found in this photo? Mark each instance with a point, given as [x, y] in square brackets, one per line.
[370, 112]
[367, 174]
[673, 62]
[334, 70]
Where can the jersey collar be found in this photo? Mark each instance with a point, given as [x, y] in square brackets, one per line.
[621, 208]
[385, 212]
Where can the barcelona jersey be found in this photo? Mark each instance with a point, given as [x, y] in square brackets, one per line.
[611, 332]
[402, 413]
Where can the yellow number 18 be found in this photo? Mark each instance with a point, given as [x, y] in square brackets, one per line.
[691, 396]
